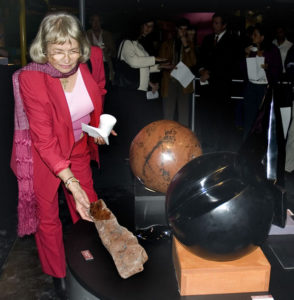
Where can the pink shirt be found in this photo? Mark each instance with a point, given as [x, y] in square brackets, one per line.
[80, 106]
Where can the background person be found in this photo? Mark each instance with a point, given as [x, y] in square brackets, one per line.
[283, 91]
[58, 93]
[282, 43]
[134, 110]
[255, 89]
[103, 39]
[219, 55]
[174, 96]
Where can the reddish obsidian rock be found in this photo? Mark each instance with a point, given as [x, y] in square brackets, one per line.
[160, 150]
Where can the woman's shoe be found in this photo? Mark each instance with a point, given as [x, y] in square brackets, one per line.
[60, 288]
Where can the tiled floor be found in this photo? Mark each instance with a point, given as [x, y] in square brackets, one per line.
[21, 277]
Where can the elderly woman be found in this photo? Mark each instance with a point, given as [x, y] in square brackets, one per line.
[53, 96]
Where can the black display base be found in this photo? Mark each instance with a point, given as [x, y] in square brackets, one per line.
[149, 207]
[77, 291]
[282, 247]
[99, 279]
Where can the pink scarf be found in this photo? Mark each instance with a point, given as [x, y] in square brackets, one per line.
[22, 160]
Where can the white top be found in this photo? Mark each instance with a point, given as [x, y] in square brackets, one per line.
[256, 74]
[135, 56]
[220, 35]
[284, 47]
[78, 100]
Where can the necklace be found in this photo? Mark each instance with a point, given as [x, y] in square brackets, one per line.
[64, 82]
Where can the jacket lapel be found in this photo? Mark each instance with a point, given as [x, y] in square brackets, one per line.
[57, 96]
[93, 91]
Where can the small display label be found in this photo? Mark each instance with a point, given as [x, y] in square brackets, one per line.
[87, 255]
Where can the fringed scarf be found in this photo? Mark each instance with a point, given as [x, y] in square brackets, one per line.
[22, 159]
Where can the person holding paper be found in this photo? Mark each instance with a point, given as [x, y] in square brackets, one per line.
[174, 95]
[268, 67]
[53, 95]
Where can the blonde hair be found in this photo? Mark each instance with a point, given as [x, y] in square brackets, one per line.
[59, 28]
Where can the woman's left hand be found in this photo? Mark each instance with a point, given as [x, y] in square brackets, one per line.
[100, 141]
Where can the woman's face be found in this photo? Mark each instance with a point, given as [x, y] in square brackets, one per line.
[64, 57]
[256, 37]
[147, 28]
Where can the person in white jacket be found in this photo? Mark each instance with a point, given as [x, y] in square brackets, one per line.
[134, 54]
[134, 110]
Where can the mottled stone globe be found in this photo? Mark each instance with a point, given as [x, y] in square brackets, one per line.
[219, 208]
[159, 150]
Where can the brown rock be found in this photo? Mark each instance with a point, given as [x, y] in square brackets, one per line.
[123, 246]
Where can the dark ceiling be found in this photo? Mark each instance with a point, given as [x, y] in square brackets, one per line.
[172, 6]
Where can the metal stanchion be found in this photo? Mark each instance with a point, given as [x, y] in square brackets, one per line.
[193, 106]
[22, 32]
[194, 95]
[82, 12]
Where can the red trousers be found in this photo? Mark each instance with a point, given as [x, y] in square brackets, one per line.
[49, 237]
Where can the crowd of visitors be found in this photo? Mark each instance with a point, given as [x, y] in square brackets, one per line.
[222, 56]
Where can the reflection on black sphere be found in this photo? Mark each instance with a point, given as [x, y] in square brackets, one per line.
[218, 211]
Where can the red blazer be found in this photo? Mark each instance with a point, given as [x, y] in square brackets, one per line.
[50, 121]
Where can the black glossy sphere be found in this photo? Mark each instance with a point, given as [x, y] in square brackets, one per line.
[217, 208]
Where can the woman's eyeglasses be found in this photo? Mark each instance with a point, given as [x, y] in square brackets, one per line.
[62, 54]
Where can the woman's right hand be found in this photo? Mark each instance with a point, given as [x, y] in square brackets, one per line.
[81, 200]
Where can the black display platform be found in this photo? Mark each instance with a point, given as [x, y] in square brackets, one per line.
[283, 249]
[100, 279]
[149, 206]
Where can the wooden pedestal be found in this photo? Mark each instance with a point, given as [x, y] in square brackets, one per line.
[198, 276]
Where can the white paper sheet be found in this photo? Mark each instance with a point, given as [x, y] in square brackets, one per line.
[183, 74]
[94, 132]
[150, 95]
[254, 68]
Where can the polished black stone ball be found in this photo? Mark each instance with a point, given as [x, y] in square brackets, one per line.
[218, 208]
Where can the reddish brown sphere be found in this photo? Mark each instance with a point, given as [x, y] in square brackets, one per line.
[160, 150]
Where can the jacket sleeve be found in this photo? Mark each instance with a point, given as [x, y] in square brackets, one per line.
[275, 66]
[189, 58]
[39, 114]
[154, 68]
[129, 55]
[204, 53]
[109, 43]
[98, 68]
